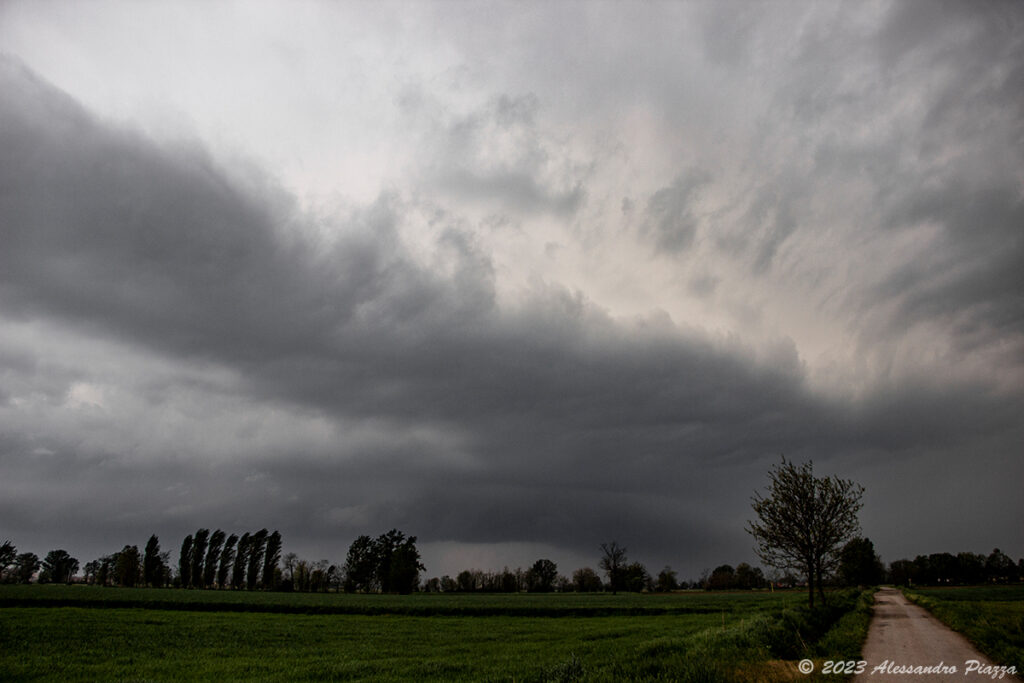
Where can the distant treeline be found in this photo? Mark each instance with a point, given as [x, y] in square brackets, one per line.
[390, 563]
[962, 569]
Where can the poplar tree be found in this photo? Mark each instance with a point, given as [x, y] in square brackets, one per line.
[151, 562]
[212, 558]
[227, 557]
[257, 544]
[199, 556]
[271, 558]
[185, 562]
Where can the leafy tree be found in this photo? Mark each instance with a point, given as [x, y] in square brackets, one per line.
[541, 576]
[185, 562]
[199, 544]
[241, 562]
[667, 580]
[152, 564]
[8, 556]
[613, 561]
[586, 580]
[804, 521]
[972, 567]
[722, 578]
[466, 581]
[271, 558]
[257, 546]
[128, 566]
[749, 577]
[390, 563]
[25, 565]
[58, 567]
[90, 570]
[999, 568]
[227, 557]
[399, 566]
[945, 568]
[859, 564]
[105, 572]
[361, 565]
[210, 565]
[635, 578]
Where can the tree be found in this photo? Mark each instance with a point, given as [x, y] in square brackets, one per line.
[90, 570]
[999, 568]
[749, 577]
[25, 565]
[399, 566]
[722, 578]
[128, 566]
[227, 557]
[613, 561]
[803, 522]
[185, 562]
[210, 565]
[360, 565]
[390, 563]
[241, 562]
[8, 555]
[271, 558]
[667, 580]
[199, 543]
[635, 578]
[58, 567]
[257, 546]
[152, 565]
[541, 576]
[586, 580]
[288, 562]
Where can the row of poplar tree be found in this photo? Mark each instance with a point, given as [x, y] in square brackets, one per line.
[218, 560]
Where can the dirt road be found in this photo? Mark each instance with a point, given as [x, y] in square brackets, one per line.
[906, 643]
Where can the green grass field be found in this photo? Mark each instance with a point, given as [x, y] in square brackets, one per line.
[129, 634]
[991, 617]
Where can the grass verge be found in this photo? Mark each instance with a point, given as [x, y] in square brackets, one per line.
[991, 617]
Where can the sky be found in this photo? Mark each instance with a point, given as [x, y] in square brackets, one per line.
[515, 278]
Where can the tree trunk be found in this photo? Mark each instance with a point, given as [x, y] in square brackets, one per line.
[810, 588]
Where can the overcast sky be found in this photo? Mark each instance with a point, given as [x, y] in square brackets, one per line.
[517, 279]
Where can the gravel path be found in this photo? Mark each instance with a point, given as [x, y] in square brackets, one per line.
[903, 636]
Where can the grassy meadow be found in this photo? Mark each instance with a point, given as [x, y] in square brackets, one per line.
[80, 633]
[991, 617]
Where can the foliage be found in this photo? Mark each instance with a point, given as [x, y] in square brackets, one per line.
[128, 567]
[210, 564]
[8, 555]
[25, 566]
[185, 562]
[58, 567]
[859, 565]
[667, 580]
[586, 580]
[804, 521]
[390, 563]
[946, 569]
[540, 578]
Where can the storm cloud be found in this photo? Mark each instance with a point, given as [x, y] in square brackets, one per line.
[542, 330]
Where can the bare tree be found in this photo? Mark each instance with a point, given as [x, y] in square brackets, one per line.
[613, 562]
[804, 521]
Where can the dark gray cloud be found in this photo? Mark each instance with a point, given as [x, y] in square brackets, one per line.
[182, 346]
